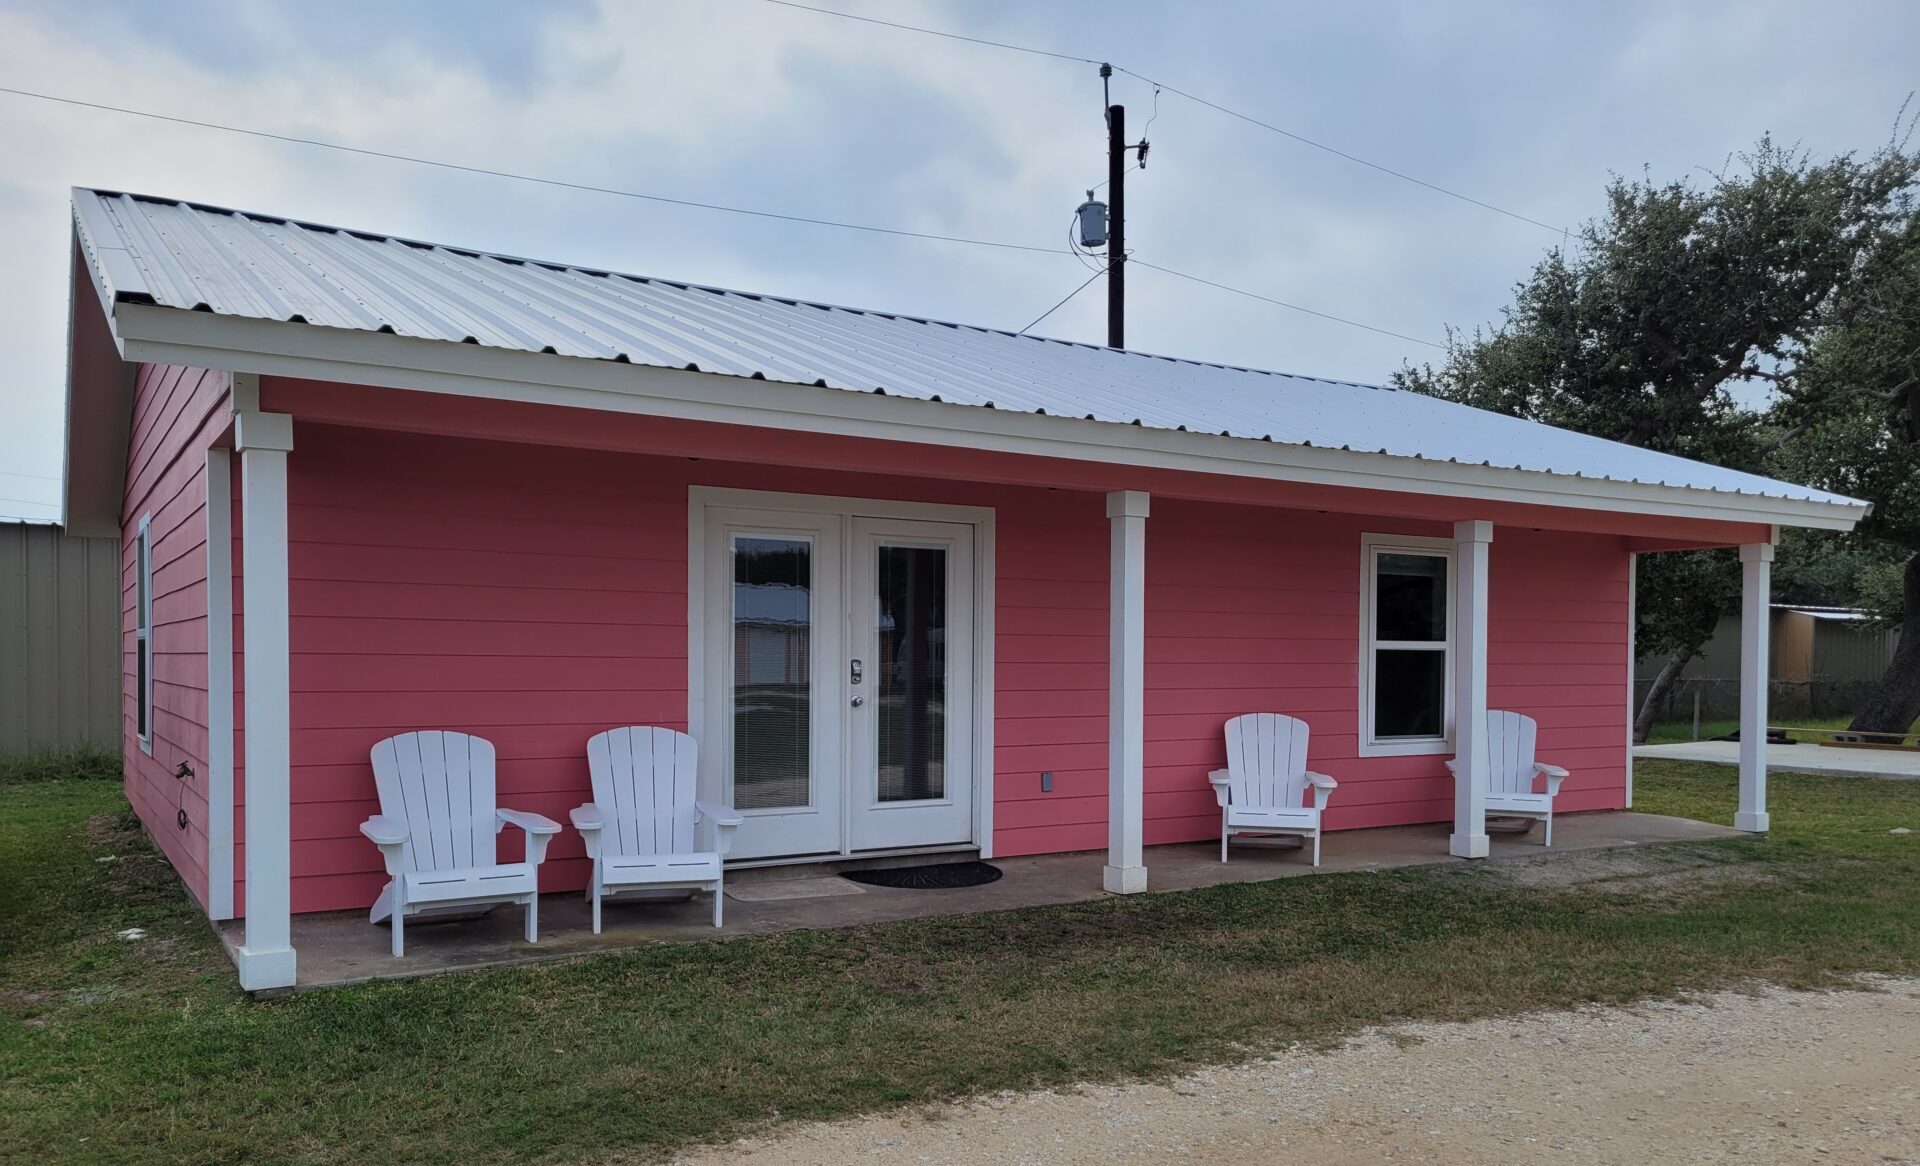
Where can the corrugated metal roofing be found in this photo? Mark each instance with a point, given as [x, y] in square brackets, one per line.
[182, 255]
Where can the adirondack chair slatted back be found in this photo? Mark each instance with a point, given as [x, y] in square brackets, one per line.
[441, 785]
[1510, 739]
[1267, 761]
[643, 781]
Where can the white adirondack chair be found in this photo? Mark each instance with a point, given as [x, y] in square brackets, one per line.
[1263, 788]
[1512, 771]
[640, 827]
[436, 830]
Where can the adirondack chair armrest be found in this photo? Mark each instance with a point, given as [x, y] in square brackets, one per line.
[1219, 779]
[390, 835]
[1554, 775]
[589, 821]
[539, 828]
[725, 819]
[1323, 786]
[384, 831]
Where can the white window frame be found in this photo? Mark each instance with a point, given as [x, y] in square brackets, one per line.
[1372, 546]
[143, 634]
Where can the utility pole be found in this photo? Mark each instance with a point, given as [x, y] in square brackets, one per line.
[1116, 225]
[1117, 228]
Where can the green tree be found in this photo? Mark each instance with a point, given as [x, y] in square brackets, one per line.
[1673, 298]
[1853, 426]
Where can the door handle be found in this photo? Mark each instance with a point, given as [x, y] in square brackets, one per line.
[858, 701]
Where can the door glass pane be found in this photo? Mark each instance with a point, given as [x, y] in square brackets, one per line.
[772, 671]
[1409, 692]
[1410, 597]
[911, 688]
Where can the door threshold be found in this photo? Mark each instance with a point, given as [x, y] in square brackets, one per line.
[776, 867]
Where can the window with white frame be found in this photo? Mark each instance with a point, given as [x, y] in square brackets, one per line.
[143, 636]
[1406, 645]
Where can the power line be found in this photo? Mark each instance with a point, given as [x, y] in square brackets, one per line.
[532, 178]
[1193, 97]
[30, 502]
[972, 40]
[1063, 301]
[1339, 153]
[1283, 304]
[20, 474]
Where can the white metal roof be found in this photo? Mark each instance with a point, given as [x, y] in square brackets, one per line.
[204, 259]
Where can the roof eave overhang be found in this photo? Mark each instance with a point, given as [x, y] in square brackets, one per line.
[169, 335]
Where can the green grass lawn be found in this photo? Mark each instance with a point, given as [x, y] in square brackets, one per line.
[130, 1052]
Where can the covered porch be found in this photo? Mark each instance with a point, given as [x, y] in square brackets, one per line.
[338, 948]
[1168, 607]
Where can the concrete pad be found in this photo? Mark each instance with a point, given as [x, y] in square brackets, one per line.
[770, 892]
[343, 948]
[1900, 764]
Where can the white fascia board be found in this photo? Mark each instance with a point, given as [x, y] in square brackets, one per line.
[170, 335]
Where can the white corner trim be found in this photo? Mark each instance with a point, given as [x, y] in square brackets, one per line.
[1371, 546]
[219, 519]
[168, 335]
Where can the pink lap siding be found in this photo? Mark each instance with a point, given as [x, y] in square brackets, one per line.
[536, 594]
[177, 413]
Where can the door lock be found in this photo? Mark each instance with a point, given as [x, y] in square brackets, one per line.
[855, 672]
[858, 701]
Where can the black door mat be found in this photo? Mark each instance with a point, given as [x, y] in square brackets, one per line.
[944, 876]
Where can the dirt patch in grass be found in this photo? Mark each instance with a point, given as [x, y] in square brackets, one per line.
[1664, 872]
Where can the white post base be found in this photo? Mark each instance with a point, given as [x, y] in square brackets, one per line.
[260, 970]
[1753, 823]
[1123, 880]
[1468, 845]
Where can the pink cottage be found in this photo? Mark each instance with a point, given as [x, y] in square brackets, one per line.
[368, 485]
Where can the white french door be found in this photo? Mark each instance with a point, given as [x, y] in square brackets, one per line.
[838, 676]
[910, 722]
[774, 640]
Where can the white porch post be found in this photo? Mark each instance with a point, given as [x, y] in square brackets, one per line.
[264, 439]
[1756, 569]
[1469, 839]
[219, 491]
[1126, 705]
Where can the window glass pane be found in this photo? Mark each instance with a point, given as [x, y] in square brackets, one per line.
[141, 664]
[142, 571]
[912, 673]
[1410, 597]
[772, 671]
[1409, 692]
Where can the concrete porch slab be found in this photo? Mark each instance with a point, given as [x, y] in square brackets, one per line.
[339, 948]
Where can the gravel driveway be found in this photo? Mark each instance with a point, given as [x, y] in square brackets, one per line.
[1787, 1077]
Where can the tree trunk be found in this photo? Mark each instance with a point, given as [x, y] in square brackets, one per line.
[1894, 703]
[1662, 684]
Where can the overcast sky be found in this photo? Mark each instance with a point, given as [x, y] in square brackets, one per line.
[743, 102]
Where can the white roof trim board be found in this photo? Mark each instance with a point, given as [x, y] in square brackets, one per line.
[232, 265]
